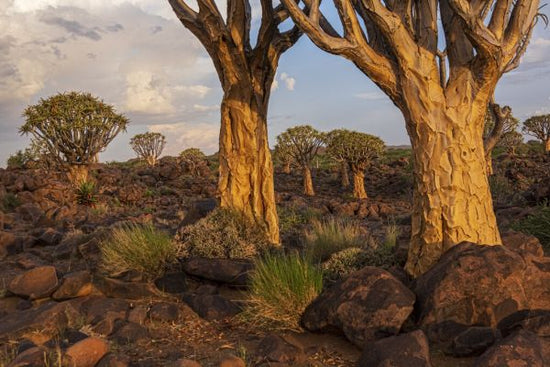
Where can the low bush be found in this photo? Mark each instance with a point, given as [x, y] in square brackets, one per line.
[538, 225]
[222, 234]
[328, 236]
[282, 286]
[85, 193]
[137, 247]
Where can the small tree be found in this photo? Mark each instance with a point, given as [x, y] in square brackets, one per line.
[192, 157]
[510, 141]
[357, 150]
[539, 127]
[148, 146]
[302, 144]
[74, 127]
[282, 156]
[499, 122]
[344, 166]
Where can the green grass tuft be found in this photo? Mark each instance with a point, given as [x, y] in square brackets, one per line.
[331, 235]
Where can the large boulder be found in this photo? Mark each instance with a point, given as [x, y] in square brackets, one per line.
[86, 353]
[37, 283]
[481, 285]
[367, 305]
[522, 348]
[406, 350]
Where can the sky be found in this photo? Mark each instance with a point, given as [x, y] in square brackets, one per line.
[137, 56]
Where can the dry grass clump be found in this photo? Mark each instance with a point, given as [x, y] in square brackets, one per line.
[137, 247]
[331, 235]
[222, 234]
[282, 286]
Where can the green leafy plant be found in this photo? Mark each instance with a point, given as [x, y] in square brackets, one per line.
[222, 234]
[86, 193]
[282, 286]
[325, 237]
[137, 247]
[538, 225]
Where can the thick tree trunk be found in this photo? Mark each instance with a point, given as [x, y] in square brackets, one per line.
[359, 184]
[78, 173]
[151, 161]
[547, 145]
[246, 170]
[452, 202]
[345, 175]
[308, 182]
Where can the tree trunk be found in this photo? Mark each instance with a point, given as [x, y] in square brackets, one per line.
[246, 170]
[308, 182]
[345, 175]
[359, 183]
[547, 145]
[286, 168]
[151, 161]
[489, 158]
[77, 174]
[452, 201]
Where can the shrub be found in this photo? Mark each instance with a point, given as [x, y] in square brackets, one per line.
[137, 247]
[10, 202]
[331, 235]
[192, 158]
[538, 225]
[282, 286]
[85, 193]
[222, 234]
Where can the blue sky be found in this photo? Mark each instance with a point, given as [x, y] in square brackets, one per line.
[137, 56]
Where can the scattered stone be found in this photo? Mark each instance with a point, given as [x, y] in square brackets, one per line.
[128, 290]
[31, 357]
[367, 305]
[138, 314]
[212, 306]
[473, 341]
[164, 312]
[232, 361]
[36, 283]
[275, 348]
[130, 333]
[13, 304]
[406, 350]
[522, 348]
[48, 237]
[111, 360]
[185, 363]
[8, 244]
[536, 321]
[97, 309]
[77, 284]
[233, 272]
[30, 212]
[86, 353]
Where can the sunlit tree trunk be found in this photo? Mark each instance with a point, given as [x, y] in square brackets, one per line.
[286, 168]
[246, 169]
[308, 182]
[358, 183]
[547, 146]
[489, 159]
[78, 173]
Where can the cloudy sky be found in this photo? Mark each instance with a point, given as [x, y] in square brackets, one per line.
[136, 55]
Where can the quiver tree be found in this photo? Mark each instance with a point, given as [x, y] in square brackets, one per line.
[442, 93]
[74, 128]
[148, 146]
[246, 74]
[192, 158]
[357, 150]
[302, 143]
[499, 122]
[335, 155]
[539, 127]
[511, 141]
[281, 155]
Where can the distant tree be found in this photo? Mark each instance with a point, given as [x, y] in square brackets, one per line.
[302, 144]
[344, 166]
[539, 127]
[148, 146]
[282, 156]
[357, 150]
[192, 157]
[73, 127]
[499, 122]
[511, 141]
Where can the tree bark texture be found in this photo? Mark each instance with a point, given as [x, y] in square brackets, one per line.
[359, 183]
[78, 173]
[308, 182]
[547, 146]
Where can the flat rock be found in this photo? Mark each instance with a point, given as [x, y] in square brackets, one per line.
[211, 306]
[73, 285]
[86, 353]
[405, 350]
[172, 283]
[37, 283]
[31, 357]
[233, 272]
[473, 341]
[367, 305]
[275, 348]
[130, 333]
[536, 321]
[128, 290]
[521, 348]
[164, 312]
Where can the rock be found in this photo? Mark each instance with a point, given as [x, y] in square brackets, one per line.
[129, 290]
[97, 309]
[172, 283]
[198, 210]
[77, 284]
[138, 314]
[232, 361]
[522, 348]
[86, 353]
[523, 244]
[164, 312]
[130, 333]
[275, 348]
[536, 321]
[111, 360]
[211, 306]
[367, 305]
[30, 212]
[473, 341]
[31, 357]
[13, 304]
[481, 285]
[131, 193]
[36, 283]
[406, 350]
[48, 237]
[8, 244]
[185, 363]
[233, 272]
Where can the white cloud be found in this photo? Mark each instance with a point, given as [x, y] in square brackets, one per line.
[290, 82]
[198, 91]
[370, 96]
[183, 135]
[203, 108]
[274, 85]
[147, 93]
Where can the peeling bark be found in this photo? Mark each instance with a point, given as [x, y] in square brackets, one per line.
[359, 184]
[308, 182]
[78, 173]
[547, 146]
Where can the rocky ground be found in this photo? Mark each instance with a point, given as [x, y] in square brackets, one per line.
[482, 306]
